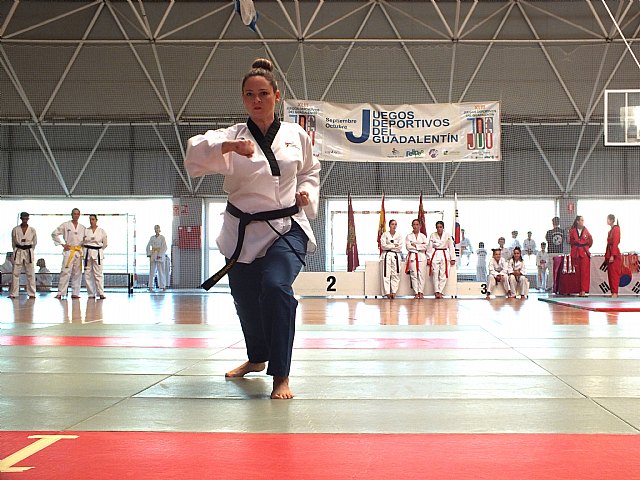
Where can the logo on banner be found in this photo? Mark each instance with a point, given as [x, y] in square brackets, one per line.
[481, 135]
[305, 115]
[308, 123]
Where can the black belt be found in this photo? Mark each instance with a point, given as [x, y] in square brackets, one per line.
[86, 254]
[246, 219]
[385, 262]
[26, 247]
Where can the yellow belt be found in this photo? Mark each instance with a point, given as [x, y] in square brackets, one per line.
[73, 250]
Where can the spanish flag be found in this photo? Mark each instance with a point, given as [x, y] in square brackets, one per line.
[382, 224]
[353, 261]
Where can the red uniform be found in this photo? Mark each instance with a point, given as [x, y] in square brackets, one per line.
[613, 268]
[581, 256]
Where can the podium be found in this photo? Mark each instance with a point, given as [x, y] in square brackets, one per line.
[373, 281]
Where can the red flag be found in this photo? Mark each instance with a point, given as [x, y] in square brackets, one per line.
[353, 261]
[456, 222]
[421, 219]
[456, 225]
[382, 224]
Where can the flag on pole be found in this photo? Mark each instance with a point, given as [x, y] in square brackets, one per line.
[382, 224]
[247, 12]
[353, 261]
[421, 219]
[456, 224]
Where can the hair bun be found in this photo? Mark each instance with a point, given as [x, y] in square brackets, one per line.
[263, 63]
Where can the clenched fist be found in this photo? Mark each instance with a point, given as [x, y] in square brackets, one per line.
[241, 147]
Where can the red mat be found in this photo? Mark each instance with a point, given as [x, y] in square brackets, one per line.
[203, 456]
[597, 305]
[303, 343]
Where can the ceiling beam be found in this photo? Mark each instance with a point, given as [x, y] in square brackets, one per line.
[553, 67]
[408, 53]
[72, 60]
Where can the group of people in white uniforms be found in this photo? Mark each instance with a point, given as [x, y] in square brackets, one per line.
[82, 247]
[437, 253]
[511, 274]
[81, 244]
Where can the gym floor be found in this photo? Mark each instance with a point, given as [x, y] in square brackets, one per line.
[134, 387]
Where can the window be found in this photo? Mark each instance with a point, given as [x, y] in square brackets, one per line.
[128, 223]
[483, 221]
[595, 219]
[214, 260]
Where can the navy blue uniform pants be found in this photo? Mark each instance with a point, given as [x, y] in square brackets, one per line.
[265, 304]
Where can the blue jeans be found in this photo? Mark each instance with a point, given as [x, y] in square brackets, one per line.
[265, 304]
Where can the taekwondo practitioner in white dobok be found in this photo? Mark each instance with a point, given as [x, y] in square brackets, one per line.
[465, 246]
[543, 262]
[95, 241]
[529, 245]
[416, 245]
[505, 252]
[23, 240]
[156, 250]
[441, 253]
[481, 265]
[498, 273]
[7, 267]
[518, 281]
[43, 280]
[71, 272]
[514, 242]
[391, 245]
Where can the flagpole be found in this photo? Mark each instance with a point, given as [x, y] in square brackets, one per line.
[456, 224]
[382, 224]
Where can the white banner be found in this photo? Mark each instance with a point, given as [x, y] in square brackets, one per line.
[445, 132]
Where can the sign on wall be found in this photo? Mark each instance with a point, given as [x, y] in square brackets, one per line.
[445, 132]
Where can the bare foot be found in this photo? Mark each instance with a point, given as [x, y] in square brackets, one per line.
[281, 390]
[246, 367]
